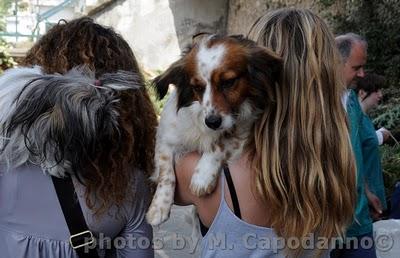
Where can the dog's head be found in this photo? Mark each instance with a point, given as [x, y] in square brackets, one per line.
[225, 76]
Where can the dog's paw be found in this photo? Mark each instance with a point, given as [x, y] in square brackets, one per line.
[154, 177]
[157, 214]
[202, 184]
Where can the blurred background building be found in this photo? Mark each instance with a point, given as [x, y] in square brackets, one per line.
[157, 30]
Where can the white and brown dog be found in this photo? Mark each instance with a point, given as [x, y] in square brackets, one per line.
[222, 85]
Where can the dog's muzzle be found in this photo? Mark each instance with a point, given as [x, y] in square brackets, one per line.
[213, 121]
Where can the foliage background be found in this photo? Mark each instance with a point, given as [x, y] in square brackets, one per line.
[6, 61]
[379, 23]
[5, 6]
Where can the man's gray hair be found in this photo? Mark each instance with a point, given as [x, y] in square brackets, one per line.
[345, 44]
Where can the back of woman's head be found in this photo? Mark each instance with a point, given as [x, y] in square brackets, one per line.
[370, 83]
[83, 42]
[302, 155]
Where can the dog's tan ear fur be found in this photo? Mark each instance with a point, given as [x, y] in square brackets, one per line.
[197, 38]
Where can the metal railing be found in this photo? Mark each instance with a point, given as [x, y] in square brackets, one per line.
[40, 17]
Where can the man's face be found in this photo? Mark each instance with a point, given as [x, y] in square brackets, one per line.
[354, 66]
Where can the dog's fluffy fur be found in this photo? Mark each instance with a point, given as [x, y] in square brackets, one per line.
[222, 85]
[55, 120]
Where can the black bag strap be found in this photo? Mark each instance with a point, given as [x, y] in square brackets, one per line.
[81, 236]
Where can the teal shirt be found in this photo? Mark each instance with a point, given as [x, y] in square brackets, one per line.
[372, 160]
[362, 223]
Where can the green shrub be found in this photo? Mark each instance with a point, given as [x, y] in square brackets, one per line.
[379, 23]
[391, 163]
[6, 61]
[387, 114]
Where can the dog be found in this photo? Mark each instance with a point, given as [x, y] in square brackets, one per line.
[223, 84]
[58, 121]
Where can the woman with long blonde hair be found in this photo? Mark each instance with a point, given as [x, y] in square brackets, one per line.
[302, 156]
[297, 175]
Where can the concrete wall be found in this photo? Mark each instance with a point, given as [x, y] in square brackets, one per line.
[157, 30]
[243, 13]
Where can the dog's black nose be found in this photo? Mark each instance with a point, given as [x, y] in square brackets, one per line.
[213, 122]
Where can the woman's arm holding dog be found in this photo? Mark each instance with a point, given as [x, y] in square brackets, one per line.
[184, 169]
[207, 205]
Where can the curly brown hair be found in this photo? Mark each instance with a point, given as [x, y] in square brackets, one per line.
[83, 42]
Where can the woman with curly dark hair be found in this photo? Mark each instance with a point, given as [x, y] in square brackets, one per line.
[95, 123]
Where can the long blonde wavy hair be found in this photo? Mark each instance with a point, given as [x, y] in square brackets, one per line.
[301, 152]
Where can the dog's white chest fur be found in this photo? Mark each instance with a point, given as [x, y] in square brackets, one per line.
[184, 131]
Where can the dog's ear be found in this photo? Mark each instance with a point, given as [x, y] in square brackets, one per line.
[237, 36]
[197, 38]
[265, 70]
[265, 60]
[175, 75]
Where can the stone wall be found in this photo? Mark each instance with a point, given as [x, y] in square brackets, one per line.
[243, 13]
[157, 30]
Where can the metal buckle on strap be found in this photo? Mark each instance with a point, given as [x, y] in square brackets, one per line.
[81, 235]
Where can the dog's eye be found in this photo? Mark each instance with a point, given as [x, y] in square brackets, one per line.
[226, 84]
[198, 89]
